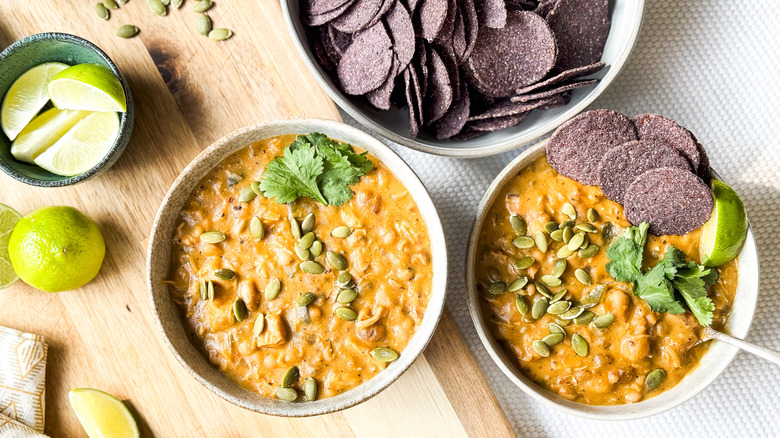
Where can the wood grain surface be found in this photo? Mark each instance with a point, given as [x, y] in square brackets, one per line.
[190, 91]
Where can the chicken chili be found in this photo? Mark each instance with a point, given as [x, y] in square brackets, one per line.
[304, 300]
[546, 294]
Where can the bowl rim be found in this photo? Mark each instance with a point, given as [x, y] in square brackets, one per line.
[622, 412]
[495, 147]
[125, 119]
[184, 184]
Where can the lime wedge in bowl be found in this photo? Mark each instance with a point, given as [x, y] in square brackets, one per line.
[8, 219]
[83, 147]
[27, 95]
[87, 87]
[43, 131]
[724, 233]
[102, 415]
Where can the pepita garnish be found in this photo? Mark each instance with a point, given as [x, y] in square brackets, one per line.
[308, 223]
[655, 378]
[272, 289]
[346, 296]
[550, 227]
[569, 210]
[316, 248]
[572, 313]
[166, 2]
[553, 339]
[524, 262]
[586, 227]
[542, 289]
[384, 354]
[254, 185]
[541, 348]
[291, 376]
[257, 329]
[311, 267]
[567, 234]
[559, 296]
[521, 304]
[302, 253]
[246, 195]
[564, 252]
[557, 235]
[346, 314]
[551, 280]
[583, 277]
[562, 322]
[497, 288]
[593, 215]
[539, 308]
[305, 299]
[575, 242]
[295, 227]
[341, 232]
[556, 328]
[309, 389]
[157, 7]
[603, 321]
[518, 283]
[286, 394]
[336, 260]
[210, 290]
[101, 11]
[233, 179]
[558, 308]
[518, 224]
[202, 5]
[203, 289]
[523, 242]
[256, 228]
[567, 223]
[589, 251]
[239, 309]
[541, 241]
[212, 237]
[224, 274]
[344, 279]
[584, 318]
[579, 345]
[177, 3]
[110, 4]
[559, 267]
[220, 34]
[306, 240]
[594, 295]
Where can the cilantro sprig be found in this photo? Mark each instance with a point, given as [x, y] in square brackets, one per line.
[669, 284]
[314, 166]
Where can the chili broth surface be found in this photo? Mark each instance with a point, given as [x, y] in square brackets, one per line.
[620, 356]
[388, 255]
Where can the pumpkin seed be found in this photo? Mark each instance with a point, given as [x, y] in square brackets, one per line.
[336, 260]
[579, 345]
[302, 253]
[341, 232]
[584, 318]
[497, 288]
[254, 185]
[224, 274]
[556, 329]
[542, 289]
[291, 376]
[246, 195]
[594, 295]
[589, 251]
[166, 2]
[569, 210]
[550, 227]
[557, 235]
[286, 394]
[344, 279]
[384, 354]
[257, 329]
[310, 389]
[294, 227]
[539, 308]
[239, 309]
[564, 252]
[524, 262]
[603, 321]
[567, 223]
[110, 4]
[518, 284]
[523, 242]
[608, 233]
[553, 339]
[346, 296]
[308, 223]
[256, 228]
[558, 308]
[559, 296]
[303, 314]
[307, 240]
[202, 5]
[272, 289]
[541, 241]
[583, 277]
[521, 304]
[220, 34]
[101, 11]
[567, 234]
[562, 322]
[572, 313]
[586, 227]
[593, 215]
[210, 290]
[311, 267]
[316, 248]
[551, 280]
[305, 299]
[655, 378]
[518, 224]
[233, 179]
[585, 243]
[559, 267]
[541, 348]
[177, 3]
[212, 237]
[203, 289]
[575, 242]
[346, 314]
[157, 7]
[121, 2]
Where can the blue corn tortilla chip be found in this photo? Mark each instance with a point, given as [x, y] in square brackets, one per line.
[358, 16]
[399, 23]
[664, 130]
[491, 13]
[562, 77]
[431, 16]
[581, 28]
[552, 92]
[367, 62]
[455, 119]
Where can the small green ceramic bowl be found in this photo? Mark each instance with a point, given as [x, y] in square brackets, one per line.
[69, 49]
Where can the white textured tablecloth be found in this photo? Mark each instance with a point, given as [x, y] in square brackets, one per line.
[713, 66]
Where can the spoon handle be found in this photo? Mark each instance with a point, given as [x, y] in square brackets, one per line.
[766, 353]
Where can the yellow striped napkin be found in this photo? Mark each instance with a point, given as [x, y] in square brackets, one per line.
[22, 383]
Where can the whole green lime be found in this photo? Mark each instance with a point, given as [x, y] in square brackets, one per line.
[56, 249]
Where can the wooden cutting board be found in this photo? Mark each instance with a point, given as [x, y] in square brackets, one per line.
[189, 91]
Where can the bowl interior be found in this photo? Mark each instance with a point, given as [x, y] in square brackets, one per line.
[626, 16]
[712, 363]
[167, 312]
[69, 49]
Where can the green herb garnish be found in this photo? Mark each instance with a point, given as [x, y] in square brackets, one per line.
[662, 285]
[316, 167]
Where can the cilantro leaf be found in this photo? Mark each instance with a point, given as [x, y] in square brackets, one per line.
[655, 288]
[625, 254]
[693, 282]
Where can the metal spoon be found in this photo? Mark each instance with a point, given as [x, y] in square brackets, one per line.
[766, 353]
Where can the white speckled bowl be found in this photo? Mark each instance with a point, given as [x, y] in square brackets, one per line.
[167, 312]
[712, 363]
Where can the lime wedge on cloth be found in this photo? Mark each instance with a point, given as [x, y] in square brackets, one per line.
[27, 95]
[102, 415]
[724, 233]
[83, 147]
[8, 219]
[87, 87]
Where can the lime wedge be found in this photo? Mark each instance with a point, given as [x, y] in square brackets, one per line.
[88, 87]
[724, 233]
[43, 132]
[81, 148]
[102, 415]
[27, 96]
[8, 219]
